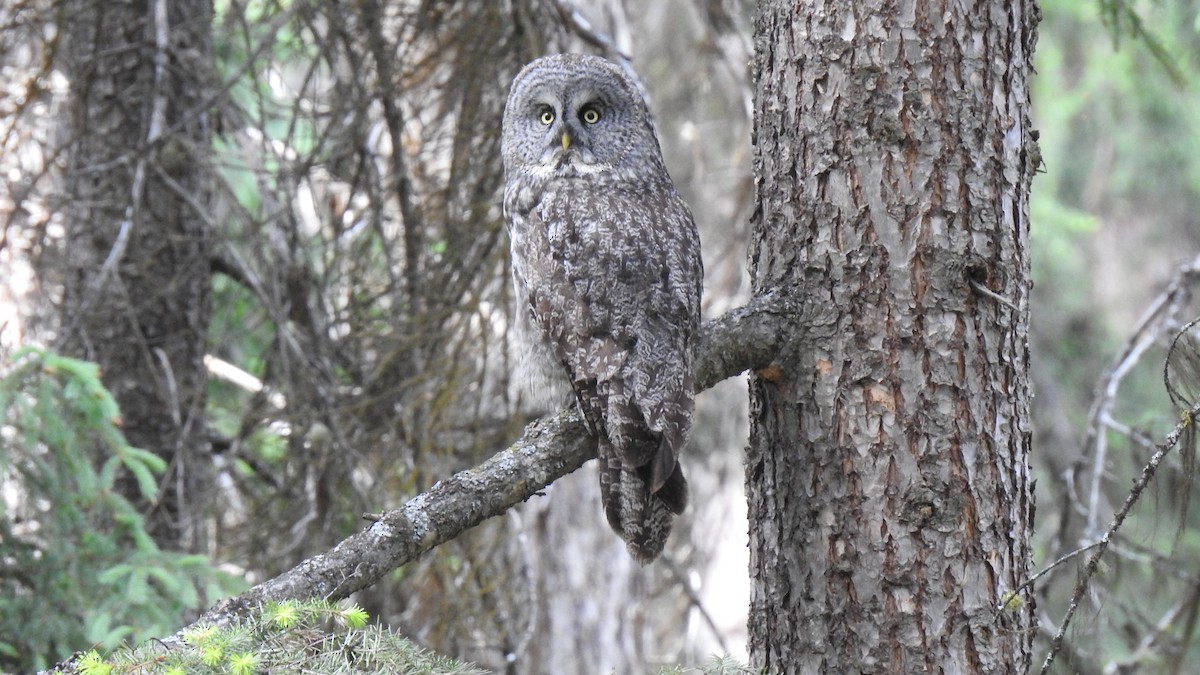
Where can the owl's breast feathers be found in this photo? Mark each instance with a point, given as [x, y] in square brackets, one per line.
[611, 275]
[612, 279]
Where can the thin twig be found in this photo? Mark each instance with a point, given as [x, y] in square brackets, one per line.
[1046, 570]
[158, 116]
[1131, 499]
[1147, 331]
[1148, 648]
[579, 24]
[694, 596]
[1146, 334]
[980, 288]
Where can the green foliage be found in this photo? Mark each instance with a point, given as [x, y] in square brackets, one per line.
[311, 636]
[1117, 124]
[74, 551]
[1123, 18]
[717, 665]
[93, 664]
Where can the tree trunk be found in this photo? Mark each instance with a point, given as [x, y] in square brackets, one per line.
[887, 476]
[137, 298]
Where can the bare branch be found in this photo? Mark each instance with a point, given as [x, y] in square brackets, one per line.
[1150, 649]
[1155, 321]
[1050, 568]
[1160, 318]
[548, 450]
[1093, 561]
[745, 338]
[579, 24]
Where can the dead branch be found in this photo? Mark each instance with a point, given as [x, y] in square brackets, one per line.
[1160, 319]
[1093, 561]
[1157, 320]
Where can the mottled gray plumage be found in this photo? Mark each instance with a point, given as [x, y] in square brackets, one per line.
[606, 264]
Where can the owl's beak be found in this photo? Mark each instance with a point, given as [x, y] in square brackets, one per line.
[566, 140]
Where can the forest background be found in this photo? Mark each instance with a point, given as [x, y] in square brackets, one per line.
[358, 347]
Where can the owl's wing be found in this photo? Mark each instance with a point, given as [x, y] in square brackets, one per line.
[619, 301]
[611, 278]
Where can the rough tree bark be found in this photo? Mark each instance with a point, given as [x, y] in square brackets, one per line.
[137, 297]
[887, 476]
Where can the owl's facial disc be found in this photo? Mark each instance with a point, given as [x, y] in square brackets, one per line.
[570, 137]
[567, 151]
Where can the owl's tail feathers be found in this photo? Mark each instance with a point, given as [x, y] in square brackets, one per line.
[641, 516]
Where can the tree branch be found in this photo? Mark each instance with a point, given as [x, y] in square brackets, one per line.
[1189, 418]
[748, 337]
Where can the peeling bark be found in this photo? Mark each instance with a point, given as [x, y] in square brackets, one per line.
[887, 473]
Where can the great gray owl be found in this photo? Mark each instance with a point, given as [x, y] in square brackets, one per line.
[606, 264]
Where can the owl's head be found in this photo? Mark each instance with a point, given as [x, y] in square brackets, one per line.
[575, 114]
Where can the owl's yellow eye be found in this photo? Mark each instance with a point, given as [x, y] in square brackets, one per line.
[547, 117]
[590, 115]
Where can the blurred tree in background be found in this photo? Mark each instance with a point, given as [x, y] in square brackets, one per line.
[337, 167]
[136, 281]
[1116, 242]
